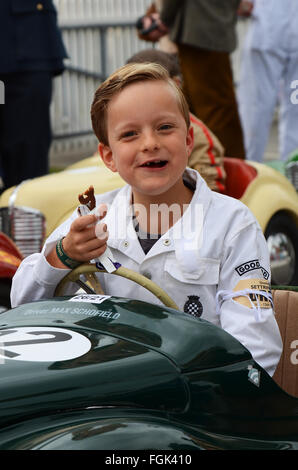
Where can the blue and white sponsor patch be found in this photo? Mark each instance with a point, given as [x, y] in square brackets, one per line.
[254, 375]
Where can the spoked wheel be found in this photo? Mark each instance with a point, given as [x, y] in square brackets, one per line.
[89, 270]
[282, 239]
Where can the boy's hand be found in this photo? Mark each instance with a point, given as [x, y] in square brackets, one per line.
[83, 243]
[85, 240]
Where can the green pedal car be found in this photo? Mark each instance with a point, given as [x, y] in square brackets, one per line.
[91, 372]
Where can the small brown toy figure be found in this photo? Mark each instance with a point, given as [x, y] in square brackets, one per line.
[87, 198]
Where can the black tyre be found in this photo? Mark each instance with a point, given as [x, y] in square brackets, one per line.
[282, 239]
[5, 286]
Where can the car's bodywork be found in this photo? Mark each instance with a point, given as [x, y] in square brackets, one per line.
[104, 372]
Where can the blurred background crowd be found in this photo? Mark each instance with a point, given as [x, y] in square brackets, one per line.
[236, 61]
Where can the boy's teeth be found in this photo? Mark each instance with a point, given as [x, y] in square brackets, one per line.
[152, 163]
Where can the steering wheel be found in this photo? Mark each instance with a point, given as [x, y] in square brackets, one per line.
[88, 270]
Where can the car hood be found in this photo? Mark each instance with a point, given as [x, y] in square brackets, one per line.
[63, 354]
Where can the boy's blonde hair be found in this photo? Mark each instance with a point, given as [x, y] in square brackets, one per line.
[120, 79]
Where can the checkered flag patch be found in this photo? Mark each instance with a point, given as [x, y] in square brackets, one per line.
[193, 306]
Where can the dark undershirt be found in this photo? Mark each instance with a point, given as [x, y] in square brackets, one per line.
[147, 240]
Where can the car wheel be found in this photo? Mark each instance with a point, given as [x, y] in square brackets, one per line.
[5, 286]
[282, 239]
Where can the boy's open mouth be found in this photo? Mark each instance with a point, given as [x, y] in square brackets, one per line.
[155, 164]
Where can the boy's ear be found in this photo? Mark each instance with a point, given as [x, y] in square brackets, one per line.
[190, 140]
[107, 156]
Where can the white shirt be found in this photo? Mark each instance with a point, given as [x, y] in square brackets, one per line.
[222, 248]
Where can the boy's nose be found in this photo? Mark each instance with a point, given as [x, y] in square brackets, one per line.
[150, 142]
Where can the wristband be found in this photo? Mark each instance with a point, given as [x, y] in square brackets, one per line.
[66, 260]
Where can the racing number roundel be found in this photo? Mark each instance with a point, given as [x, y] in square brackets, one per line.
[42, 344]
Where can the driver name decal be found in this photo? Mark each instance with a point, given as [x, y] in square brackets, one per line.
[83, 311]
[42, 344]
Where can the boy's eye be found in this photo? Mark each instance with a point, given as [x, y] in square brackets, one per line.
[165, 127]
[128, 134]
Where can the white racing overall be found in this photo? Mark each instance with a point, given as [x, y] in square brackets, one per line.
[211, 256]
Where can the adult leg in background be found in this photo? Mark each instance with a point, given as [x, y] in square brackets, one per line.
[288, 116]
[208, 84]
[258, 93]
[25, 134]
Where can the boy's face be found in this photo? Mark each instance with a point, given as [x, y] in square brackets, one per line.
[149, 143]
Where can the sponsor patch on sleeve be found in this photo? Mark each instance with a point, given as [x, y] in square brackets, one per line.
[251, 266]
[261, 286]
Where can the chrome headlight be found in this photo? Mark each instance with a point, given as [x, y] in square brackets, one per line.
[25, 226]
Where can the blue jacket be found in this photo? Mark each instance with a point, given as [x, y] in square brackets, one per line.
[30, 39]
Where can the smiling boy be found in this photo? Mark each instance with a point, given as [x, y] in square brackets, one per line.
[150, 146]
[206, 250]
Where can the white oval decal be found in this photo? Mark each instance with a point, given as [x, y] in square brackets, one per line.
[42, 344]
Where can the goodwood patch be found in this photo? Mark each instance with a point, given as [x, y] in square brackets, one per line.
[251, 266]
[193, 306]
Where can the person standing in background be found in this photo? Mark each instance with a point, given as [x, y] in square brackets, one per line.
[269, 74]
[31, 53]
[164, 42]
[205, 35]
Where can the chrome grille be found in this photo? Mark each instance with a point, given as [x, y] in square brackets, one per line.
[26, 227]
[292, 173]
